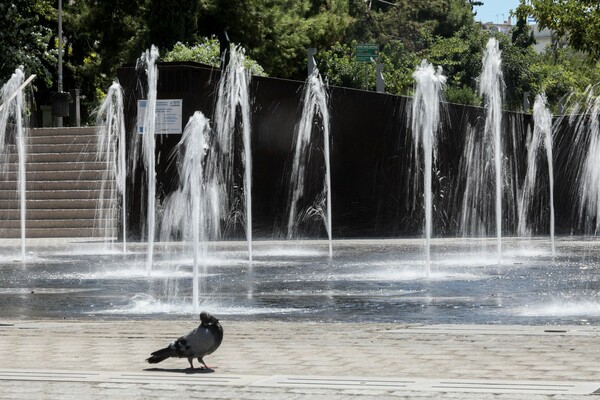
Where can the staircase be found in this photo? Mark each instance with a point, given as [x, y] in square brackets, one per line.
[64, 179]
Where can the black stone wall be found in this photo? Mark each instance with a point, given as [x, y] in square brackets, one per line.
[373, 177]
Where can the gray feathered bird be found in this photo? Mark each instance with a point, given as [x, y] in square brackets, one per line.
[200, 342]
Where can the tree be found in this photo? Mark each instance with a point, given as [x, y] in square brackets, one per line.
[172, 21]
[26, 39]
[206, 51]
[276, 33]
[576, 20]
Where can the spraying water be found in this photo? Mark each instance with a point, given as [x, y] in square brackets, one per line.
[188, 209]
[587, 137]
[233, 96]
[490, 87]
[425, 124]
[314, 104]
[542, 136]
[148, 60]
[12, 109]
[111, 150]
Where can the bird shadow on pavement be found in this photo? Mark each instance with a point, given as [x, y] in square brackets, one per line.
[187, 371]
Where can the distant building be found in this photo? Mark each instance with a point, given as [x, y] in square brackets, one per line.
[504, 27]
[543, 38]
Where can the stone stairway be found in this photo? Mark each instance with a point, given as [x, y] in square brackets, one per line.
[64, 178]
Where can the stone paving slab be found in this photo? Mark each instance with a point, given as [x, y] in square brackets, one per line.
[291, 359]
[359, 384]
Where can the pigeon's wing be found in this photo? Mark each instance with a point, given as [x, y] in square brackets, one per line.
[217, 333]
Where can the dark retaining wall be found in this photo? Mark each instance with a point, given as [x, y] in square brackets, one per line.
[373, 186]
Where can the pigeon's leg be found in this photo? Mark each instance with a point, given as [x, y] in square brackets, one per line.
[203, 363]
[191, 361]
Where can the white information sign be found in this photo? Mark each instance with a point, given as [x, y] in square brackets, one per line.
[167, 116]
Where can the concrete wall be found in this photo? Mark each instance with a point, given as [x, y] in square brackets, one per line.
[373, 184]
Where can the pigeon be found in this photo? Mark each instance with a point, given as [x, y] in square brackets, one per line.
[200, 342]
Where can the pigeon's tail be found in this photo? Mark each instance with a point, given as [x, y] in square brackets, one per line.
[161, 355]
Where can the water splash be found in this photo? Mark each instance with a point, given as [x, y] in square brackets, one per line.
[425, 124]
[188, 209]
[314, 104]
[111, 151]
[233, 95]
[12, 110]
[148, 61]
[542, 136]
[587, 126]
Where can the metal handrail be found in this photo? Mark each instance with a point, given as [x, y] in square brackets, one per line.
[12, 96]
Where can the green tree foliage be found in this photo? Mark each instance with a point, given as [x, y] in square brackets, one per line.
[206, 51]
[576, 20]
[102, 35]
[172, 21]
[276, 33]
[563, 72]
[460, 57]
[26, 39]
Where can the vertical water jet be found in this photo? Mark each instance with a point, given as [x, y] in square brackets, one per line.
[425, 124]
[490, 87]
[110, 136]
[541, 136]
[233, 97]
[314, 104]
[12, 109]
[148, 61]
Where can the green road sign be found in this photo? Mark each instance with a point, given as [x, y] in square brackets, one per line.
[367, 52]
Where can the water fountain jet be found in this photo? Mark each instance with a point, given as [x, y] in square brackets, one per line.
[12, 105]
[425, 124]
[314, 104]
[111, 151]
[233, 94]
[542, 136]
[148, 61]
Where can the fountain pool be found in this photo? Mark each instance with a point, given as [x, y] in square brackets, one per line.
[366, 281]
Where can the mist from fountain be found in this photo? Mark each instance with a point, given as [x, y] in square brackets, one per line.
[110, 136]
[233, 97]
[12, 110]
[314, 107]
[541, 137]
[148, 62]
[425, 117]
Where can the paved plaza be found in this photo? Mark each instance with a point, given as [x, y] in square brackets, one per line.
[74, 359]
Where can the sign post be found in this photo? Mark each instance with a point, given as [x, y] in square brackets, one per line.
[367, 53]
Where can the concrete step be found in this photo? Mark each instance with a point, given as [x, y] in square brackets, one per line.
[89, 184]
[54, 194]
[50, 214]
[59, 166]
[80, 131]
[59, 157]
[56, 148]
[55, 223]
[57, 175]
[63, 139]
[55, 204]
[54, 232]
